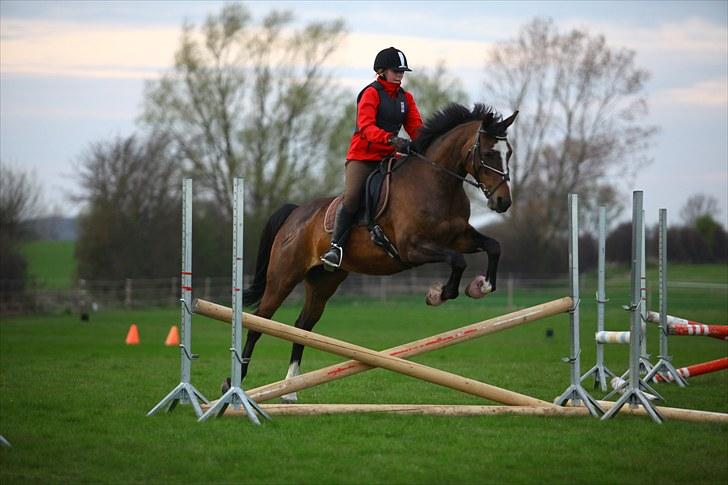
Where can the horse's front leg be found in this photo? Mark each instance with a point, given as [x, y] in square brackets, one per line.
[473, 242]
[430, 253]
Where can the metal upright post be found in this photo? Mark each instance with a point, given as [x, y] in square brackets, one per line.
[633, 394]
[665, 359]
[236, 396]
[575, 392]
[645, 364]
[185, 392]
[600, 371]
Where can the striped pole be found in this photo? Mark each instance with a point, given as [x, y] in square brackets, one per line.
[684, 327]
[696, 369]
[606, 337]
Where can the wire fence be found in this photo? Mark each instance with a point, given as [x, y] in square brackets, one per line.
[86, 296]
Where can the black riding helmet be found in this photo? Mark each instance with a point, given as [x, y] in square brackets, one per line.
[391, 58]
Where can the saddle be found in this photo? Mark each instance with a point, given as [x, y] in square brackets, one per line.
[376, 197]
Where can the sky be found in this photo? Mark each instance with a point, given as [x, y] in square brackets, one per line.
[73, 73]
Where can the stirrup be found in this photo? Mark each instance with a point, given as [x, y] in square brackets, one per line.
[328, 265]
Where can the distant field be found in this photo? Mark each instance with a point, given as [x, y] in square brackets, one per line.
[51, 262]
[73, 400]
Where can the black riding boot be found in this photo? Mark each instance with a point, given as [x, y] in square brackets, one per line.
[332, 258]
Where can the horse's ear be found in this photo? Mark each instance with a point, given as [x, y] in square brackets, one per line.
[508, 121]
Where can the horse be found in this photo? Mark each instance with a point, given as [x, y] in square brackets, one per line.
[426, 219]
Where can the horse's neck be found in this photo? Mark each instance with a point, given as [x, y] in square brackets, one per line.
[450, 153]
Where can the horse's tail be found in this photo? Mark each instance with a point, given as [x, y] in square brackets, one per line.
[253, 294]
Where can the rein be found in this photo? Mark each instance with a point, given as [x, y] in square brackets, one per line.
[505, 175]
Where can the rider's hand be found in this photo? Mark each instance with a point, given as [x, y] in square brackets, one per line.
[402, 145]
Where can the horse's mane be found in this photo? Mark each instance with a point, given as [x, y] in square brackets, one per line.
[451, 116]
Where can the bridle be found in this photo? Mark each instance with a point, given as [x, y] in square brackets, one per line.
[476, 158]
[476, 154]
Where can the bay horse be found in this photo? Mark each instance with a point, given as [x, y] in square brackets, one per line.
[426, 219]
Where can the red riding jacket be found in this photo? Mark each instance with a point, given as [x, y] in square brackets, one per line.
[370, 142]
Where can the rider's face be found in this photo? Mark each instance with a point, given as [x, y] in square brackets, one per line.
[393, 76]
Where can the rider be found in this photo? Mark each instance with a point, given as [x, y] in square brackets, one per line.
[383, 107]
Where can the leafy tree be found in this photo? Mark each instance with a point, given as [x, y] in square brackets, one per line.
[580, 127]
[19, 201]
[131, 219]
[254, 100]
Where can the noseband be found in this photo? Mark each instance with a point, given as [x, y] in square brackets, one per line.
[476, 158]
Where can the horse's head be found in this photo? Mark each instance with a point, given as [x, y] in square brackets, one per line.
[488, 162]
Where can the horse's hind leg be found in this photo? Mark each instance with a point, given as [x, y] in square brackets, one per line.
[320, 286]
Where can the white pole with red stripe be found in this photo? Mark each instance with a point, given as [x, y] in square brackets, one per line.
[682, 326]
[696, 369]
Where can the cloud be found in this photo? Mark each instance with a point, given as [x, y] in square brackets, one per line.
[710, 93]
[87, 50]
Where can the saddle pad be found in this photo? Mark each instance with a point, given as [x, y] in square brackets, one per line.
[331, 213]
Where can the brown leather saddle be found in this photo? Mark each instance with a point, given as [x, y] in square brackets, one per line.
[375, 200]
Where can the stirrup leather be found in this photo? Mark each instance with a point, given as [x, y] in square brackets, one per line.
[341, 256]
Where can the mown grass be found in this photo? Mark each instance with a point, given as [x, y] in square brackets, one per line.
[73, 400]
[51, 262]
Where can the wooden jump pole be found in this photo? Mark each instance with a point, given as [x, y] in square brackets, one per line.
[427, 344]
[370, 357]
[472, 410]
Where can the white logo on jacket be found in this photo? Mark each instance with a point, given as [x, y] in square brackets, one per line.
[401, 106]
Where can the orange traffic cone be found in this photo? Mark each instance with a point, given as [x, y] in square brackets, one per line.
[132, 338]
[172, 337]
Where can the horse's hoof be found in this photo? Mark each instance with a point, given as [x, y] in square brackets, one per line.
[479, 287]
[434, 295]
[291, 398]
[225, 386]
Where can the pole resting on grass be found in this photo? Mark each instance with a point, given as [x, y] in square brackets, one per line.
[372, 357]
[404, 351]
[236, 396]
[185, 392]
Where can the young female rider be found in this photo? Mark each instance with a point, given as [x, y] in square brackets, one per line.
[383, 107]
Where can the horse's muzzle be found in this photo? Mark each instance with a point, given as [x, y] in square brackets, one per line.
[502, 204]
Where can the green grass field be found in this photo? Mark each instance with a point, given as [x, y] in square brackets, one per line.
[73, 400]
[51, 262]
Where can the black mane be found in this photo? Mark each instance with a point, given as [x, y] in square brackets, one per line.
[451, 116]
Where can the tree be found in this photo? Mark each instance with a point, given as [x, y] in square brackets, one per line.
[130, 224]
[254, 101]
[19, 201]
[580, 127]
[698, 206]
[434, 89]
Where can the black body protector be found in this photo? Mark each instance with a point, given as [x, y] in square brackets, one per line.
[391, 112]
